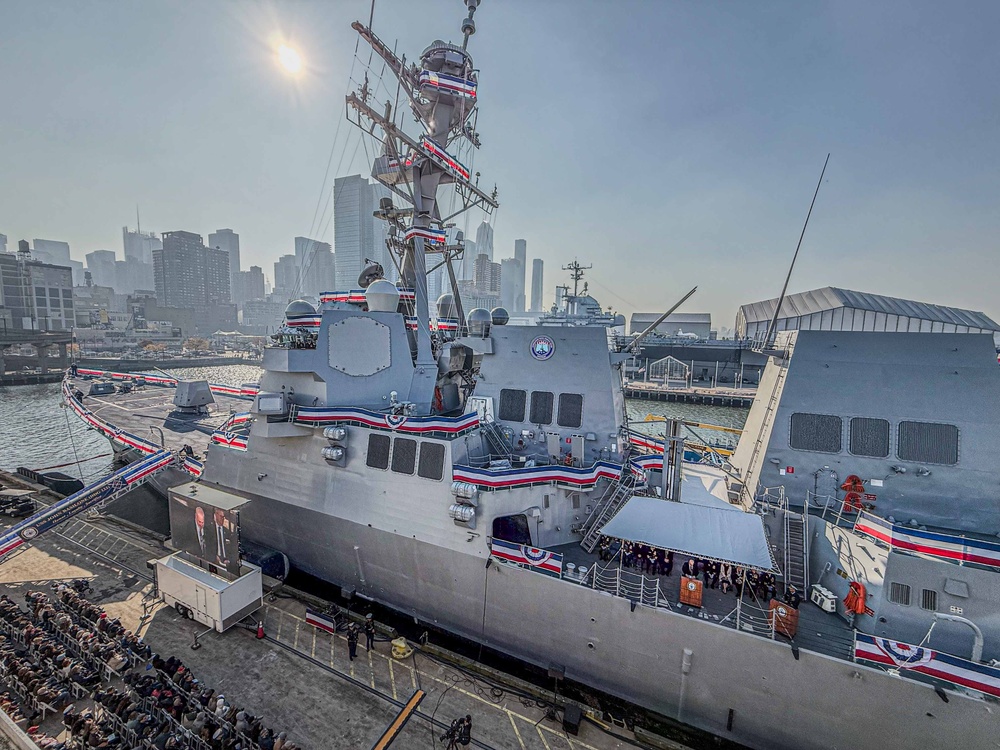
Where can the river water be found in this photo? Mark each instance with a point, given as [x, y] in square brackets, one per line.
[38, 432]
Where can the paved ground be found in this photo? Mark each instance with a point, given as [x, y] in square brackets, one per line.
[298, 678]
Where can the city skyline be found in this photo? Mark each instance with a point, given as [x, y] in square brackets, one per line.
[906, 209]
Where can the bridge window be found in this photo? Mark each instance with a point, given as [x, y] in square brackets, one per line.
[541, 407]
[404, 455]
[378, 451]
[869, 437]
[431, 464]
[513, 529]
[816, 432]
[928, 442]
[512, 405]
[899, 593]
[570, 410]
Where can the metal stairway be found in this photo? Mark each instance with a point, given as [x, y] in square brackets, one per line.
[495, 439]
[614, 498]
[795, 571]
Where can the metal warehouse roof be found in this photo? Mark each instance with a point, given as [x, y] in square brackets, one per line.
[829, 298]
[647, 319]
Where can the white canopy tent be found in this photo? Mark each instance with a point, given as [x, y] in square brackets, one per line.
[699, 531]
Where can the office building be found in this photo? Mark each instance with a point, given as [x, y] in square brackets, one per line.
[262, 316]
[56, 252]
[250, 285]
[3, 243]
[140, 245]
[357, 235]
[187, 274]
[487, 277]
[484, 240]
[132, 274]
[316, 268]
[512, 285]
[35, 295]
[286, 276]
[465, 268]
[537, 288]
[101, 264]
[228, 240]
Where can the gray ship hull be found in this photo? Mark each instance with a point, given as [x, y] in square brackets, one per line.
[777, 701]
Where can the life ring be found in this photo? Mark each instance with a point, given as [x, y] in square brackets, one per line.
[856, 597]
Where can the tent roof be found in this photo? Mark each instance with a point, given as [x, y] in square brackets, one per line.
[699, 531]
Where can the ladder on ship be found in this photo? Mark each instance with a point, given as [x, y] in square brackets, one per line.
[796, 571]
[614, 498]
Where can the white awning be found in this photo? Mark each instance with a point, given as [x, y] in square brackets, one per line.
[695, 530]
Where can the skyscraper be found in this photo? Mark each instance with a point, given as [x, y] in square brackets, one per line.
[228, 240]
[487, 276]
[3, 243]
[187, 274]
[512, 284]
[101, 264]
[286, 276]
[140, 245]
[537, 289]
[316, 267]
[465, 269]
[484, 240]
[521, 255]
[357, 235]
[56, 252]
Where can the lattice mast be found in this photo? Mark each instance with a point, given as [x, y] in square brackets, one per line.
[442, 94]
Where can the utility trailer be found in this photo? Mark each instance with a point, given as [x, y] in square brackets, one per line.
[207, 598]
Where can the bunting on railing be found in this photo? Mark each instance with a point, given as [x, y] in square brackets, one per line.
[122, 480]
[354, 296]
[529, 557]
[447, 324]
[568, 476]
[193, 466]
[234, 440]
[452, 426]
[445, 160]
[906, 657]
[434, 236]
[303, 320]
[950, 547]
[107, 429]
[452, 84]
[245, 391]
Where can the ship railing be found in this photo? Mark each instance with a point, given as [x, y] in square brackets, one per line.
[636, 587]
[770, 500]
[832, 508]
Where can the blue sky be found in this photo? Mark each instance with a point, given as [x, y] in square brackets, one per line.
[668, 143]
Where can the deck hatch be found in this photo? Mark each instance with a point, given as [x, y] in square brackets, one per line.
[928, 442]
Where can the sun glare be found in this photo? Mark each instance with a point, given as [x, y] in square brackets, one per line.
[289, 59]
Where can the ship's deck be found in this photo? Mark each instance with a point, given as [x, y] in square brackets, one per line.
[149, 413]
[818, 631]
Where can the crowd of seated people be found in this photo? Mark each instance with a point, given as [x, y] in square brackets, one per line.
[715, 575]
[65, 648]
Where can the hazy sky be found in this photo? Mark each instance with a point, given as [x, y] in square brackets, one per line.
[668, 143]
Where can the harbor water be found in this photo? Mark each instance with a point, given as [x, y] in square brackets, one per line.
[37, 432]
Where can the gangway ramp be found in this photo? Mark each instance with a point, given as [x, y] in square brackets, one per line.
[95, 495]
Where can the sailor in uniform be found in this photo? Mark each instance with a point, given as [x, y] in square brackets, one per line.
[370, 631]
[792, 597]
[352, 640]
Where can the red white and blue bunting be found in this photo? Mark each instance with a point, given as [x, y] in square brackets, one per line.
[433, 236]
[246, 391]
[129, 476]
[451, 84]
[528, 557]
[443, 159]
[950, 547]
[906, 657]
[567, 476]
[234, 440]
[354, 296]
[304, 320]
[451, 426]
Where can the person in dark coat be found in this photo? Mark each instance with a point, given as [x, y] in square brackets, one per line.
[690, 568]
[792, 597]
[352, 640]
[370, 631]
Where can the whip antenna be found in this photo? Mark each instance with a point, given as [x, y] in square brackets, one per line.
[772, 329]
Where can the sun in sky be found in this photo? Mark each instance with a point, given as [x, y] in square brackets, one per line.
[289, 58]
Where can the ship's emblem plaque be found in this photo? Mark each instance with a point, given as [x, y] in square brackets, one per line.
[543, 347]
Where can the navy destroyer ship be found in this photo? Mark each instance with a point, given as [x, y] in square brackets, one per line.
[468, 473]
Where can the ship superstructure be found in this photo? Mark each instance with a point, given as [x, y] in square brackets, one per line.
[463, 471]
